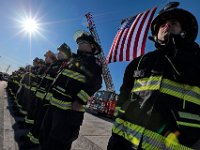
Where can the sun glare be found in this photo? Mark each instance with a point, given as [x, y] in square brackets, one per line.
[30, 25]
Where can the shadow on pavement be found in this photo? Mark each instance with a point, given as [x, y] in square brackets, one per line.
[20, 128]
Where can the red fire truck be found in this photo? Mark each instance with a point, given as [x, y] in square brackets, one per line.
[103, 102]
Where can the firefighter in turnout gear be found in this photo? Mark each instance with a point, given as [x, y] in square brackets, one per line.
[159, 100]
[28, 85]
[35, 80]
[70, 91]
[31, 139]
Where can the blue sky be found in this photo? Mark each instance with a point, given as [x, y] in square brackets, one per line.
[59, 19]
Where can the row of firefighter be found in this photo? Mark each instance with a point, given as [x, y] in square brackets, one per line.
[52, 94]
[159, 101]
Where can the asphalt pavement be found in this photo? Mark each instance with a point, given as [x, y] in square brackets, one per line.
[94, 133]
[7, 141]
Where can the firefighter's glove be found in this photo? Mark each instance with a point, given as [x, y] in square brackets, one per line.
[118, 112]
[172, 139]
[76, 106]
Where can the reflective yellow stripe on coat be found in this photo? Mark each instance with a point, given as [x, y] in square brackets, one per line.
[83, 96]
[181, 91]
[74, 75]
[151, 140]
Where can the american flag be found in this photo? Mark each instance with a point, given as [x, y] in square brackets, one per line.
[130, 39]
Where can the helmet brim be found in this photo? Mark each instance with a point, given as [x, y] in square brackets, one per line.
[82, 35]
[187, 20]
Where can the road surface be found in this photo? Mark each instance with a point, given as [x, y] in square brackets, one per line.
[94, 133]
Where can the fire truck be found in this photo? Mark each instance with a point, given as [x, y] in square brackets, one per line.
[103, 101]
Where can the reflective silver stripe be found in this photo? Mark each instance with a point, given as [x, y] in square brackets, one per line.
[61, 104]
[27, 86]
[18, 105]
[188, 124]
[62, 93]
[42, 89]
[34, 140]
[64, 105]
[33, 88]
[129, 132]
[151, 83]
[48, 96]
[151, 140]
[83, 96]
[60, 88]
[74, 75]
[40, 94]
[32, 75]
[182, 91]
[29, 121]
[34, 84]
[187, 115]
[29, 134]
[49, 78]
[23, 111]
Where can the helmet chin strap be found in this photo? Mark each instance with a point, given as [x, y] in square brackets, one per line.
[162, 42]
[182, 34]
[171, 37]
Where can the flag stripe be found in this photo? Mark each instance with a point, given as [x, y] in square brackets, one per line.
[113, 46]
[133, 28]
[122, 46]
[130, 39]
[138, 34]
[117, 44]
[146, 30]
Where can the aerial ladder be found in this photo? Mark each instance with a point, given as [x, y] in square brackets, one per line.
[106, 72]
[7, 68]
[104, 101]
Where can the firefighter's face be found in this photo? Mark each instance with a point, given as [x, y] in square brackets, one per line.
[35, 63]
[61, 55]
[171, 26]
[48, 60]
[85, 46]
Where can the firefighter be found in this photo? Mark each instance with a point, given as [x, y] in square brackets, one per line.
[13, 86]
[64, 53]
[159, 100]
[70, 92]
[38, 74]
[24, 92]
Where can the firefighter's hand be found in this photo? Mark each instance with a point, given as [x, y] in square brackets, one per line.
[76, 106]
[172, 139]
[118, 112]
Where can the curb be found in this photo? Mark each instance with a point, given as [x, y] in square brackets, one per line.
[9, 142]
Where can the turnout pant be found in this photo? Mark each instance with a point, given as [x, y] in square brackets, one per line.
[60, 128]
[117, 142]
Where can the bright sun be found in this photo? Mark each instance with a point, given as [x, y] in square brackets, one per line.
[30, 25]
